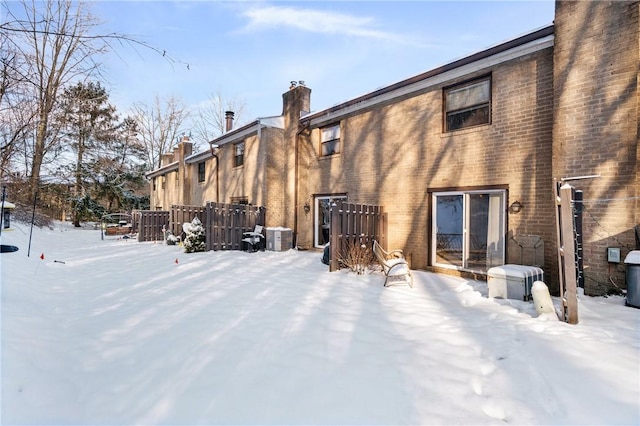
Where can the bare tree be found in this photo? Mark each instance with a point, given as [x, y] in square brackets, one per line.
[17, 109]
[54, 37]
[210, 120]
[159, 127]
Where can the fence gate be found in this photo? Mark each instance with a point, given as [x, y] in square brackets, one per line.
[355, 224]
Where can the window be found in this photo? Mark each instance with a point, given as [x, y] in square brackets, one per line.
[201, 171]
[468, 229]
[177, 179]
[468, 104]
[239, 154]
[330, 140]
[164, 181]
[154, 183]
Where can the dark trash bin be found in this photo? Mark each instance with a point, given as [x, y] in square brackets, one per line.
[632, 261]
[326, 256]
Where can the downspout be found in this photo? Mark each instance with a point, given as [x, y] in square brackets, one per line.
[296, 185]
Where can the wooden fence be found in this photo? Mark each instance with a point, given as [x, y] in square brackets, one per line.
[149, 224]
[185, 213]
[224, 224]
[355, 224]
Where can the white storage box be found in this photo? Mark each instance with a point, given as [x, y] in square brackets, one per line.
[513, 281]
[279, 239]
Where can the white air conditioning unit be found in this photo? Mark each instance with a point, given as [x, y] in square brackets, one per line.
[279, 239]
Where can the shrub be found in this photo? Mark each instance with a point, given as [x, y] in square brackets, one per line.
[357, 256]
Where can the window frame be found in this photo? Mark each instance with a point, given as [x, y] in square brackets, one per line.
[202, 171]
[333, 144]
[238, 159]
[499, 228]
[469, 108]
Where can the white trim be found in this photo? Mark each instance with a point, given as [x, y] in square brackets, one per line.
[409, 90]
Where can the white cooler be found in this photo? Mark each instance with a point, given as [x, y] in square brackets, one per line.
[513, 281]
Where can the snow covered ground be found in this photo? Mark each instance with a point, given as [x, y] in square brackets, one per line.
[119, 332]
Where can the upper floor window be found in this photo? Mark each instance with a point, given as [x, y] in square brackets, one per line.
[468, 104]
[201, 171]
[239, 154]
[330, 140]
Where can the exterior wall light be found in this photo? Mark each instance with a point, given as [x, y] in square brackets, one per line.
[515, 207]
[307, 208]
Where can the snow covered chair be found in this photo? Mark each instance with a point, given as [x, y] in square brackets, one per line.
[394, 265]
[254, 239]
[185, 230]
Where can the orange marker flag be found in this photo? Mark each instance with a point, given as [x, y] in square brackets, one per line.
[42, 256]
[176, 260]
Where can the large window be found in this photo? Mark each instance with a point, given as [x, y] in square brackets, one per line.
[322, 222]
[468, 229]
[239, 154]
[468, 104]
[201, 171]
[330, 140]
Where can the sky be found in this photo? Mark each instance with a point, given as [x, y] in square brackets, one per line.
[115, 332]
[251, 51]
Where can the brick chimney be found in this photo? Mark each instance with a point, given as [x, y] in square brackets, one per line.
[294, 101]
[228, 118]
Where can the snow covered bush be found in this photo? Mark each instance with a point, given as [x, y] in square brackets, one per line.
[194, 240]
[172, 240]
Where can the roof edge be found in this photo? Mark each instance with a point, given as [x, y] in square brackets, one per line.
[475, 57]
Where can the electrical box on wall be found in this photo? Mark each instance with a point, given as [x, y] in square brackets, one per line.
[613, 254]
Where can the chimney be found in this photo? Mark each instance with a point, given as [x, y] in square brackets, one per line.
[294, 101]
[228, 117]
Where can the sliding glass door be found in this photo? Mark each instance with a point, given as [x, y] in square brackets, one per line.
[468, 229]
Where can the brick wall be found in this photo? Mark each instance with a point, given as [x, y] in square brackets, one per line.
[393, 155]
[596, 126]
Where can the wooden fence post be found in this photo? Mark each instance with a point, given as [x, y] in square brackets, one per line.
[567, 253]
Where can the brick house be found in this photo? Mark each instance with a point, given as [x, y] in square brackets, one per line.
[462, 157]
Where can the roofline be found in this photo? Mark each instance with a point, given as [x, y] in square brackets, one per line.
[363, 101]
[234, 135]
[171, 167]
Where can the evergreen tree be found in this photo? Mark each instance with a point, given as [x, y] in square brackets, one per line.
[194, 241]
